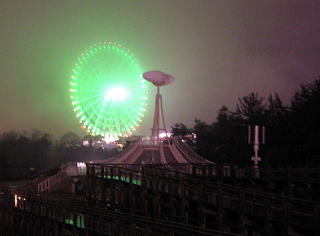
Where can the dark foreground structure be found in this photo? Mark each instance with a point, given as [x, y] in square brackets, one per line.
[164, 189]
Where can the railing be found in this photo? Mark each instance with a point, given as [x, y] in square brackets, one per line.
[81, 216]
[262, 206]
[120, 173]
[162, 174]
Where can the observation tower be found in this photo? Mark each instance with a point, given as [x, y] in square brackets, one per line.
[171, 151]
[158, 78]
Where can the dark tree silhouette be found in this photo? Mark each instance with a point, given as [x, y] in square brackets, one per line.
[292, 132]
[251, 109]
[70, 139]
[21, 154]
[180, 129]
[304, 128]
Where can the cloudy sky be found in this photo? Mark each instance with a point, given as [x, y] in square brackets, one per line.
[218, 50]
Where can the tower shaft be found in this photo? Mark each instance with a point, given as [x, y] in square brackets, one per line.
[158, 112]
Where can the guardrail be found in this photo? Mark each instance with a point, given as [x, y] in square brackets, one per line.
[34, 209]
[157, 178]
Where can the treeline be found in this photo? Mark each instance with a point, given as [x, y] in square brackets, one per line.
[25, 154]
[292, 132]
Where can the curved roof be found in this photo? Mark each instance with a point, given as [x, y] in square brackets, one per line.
[173, 152]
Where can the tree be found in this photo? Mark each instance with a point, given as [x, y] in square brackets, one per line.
[275, 107]
[70, 140]
[19, 152]
[251, 109]
[203, 141]
[304, 123]
[224, 115]
[180, 129]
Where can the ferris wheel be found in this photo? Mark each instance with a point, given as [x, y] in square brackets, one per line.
[107, 91]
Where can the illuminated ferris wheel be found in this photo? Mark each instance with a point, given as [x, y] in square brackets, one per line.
[108, 93]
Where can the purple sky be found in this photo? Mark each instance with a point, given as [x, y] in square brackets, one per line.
[217, 51]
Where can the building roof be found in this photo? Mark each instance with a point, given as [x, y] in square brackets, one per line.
[173, 151]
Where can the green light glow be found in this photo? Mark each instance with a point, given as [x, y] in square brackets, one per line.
[115, 94]
[107, 91]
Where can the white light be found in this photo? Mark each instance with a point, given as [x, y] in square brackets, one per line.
[109, 139]
[116, 94]
[164, 134]
[85, 143]
[15, 200]
[81, 164]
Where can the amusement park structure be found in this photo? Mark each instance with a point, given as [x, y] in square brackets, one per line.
[162, 187]
[156, 150]
[158, 79]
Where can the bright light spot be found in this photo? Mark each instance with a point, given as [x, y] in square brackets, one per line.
[85, 143]
[119, 145]
[164, 134]
[81, 164]
[116, 94]
[15, 200]
[109, 139]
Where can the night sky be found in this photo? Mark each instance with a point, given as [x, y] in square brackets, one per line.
[218, 50]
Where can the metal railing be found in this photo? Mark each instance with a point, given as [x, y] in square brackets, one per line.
[192, 184]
